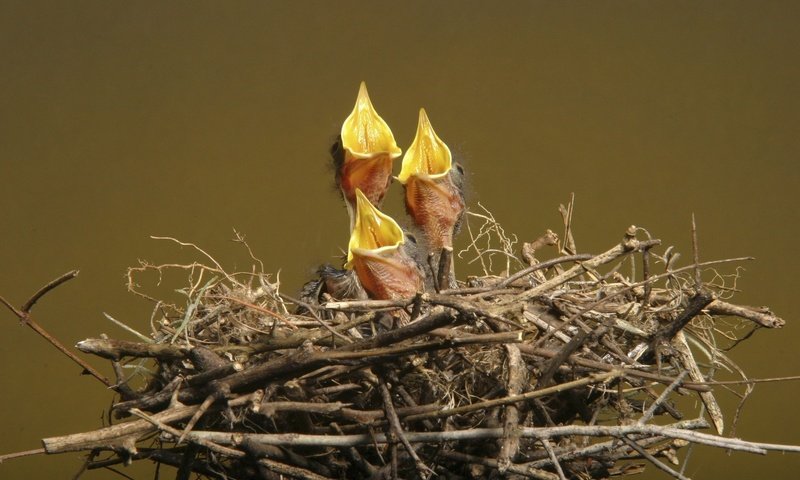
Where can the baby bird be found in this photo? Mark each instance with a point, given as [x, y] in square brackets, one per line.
[434, 197]
[378, 254]
[363, 154]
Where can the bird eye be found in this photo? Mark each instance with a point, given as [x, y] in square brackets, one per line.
[411, 238]
[460, 168]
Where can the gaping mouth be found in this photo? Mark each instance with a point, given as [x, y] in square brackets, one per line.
[364, 133]
[375, 234]
[428, 156]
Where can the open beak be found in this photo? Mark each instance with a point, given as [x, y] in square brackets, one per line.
[433, 199]
[368, 151]
[375, 253]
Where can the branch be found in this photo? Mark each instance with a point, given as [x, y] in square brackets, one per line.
[25, 317]
[297, 439]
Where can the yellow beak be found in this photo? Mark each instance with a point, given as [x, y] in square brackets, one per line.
[364, 133]
[375, 234]
[428, 156]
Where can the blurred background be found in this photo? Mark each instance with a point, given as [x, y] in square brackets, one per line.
[119, 121]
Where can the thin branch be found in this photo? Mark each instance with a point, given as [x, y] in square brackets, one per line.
[50, 286]
[658, 463]
[297, 439]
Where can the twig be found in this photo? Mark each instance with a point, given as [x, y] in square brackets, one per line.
[746, 381]
[628, 288]
[394, 422]
[762, 317]
[117, 349]
[648, 414]
[26, 453]
[687, 359]
[566, 351]
[595, 365]
[297, 439]
[218, 393]
[697, 303]
[546, 444]
[541, 266]
[27, 319]
[629, 245]
[445, 269]
[515, 383]
[698, 281]
[108, 437]
[45, 289]
[597, 449]
[592, 379]
[492, 463]
[658, 463]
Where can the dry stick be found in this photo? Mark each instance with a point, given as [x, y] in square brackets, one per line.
[683, 352]
[562, 387]
[25, 317]
[394, 423]
[371, 352]
[598, 448]
[697, 303]
[698, 281]
[121, 385]
[627, 289]
[658, 463]
[762, 317]
[546, 444]
[117, 349]
[89, 459]
[567, 350]
[595, 365]
[355, 456]
[269, 409]
[434, 271]
[445, 265]
[291, 471]
[187, 462]
[259, 308]
[539, 266]
[45, 289]
[222, 371]
[114, 435]
[219, 391]
[515, 383]
[26, 453]
[759, 315]
[627, 246]
[492, 463]
[297, 439]
[152, 401]
[197, 415]
[156, 455]
[744, 382]
[648, 414]
[648, 287]
[416, 308]
[372, 305]
[261, 451]
[230, 452]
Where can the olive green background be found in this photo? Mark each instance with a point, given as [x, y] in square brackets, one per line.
[121, 120]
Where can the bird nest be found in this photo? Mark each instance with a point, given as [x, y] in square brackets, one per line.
[569, 367]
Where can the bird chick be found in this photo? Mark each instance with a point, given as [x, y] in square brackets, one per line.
[378, 255]
[363, 154]
[434, 195]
